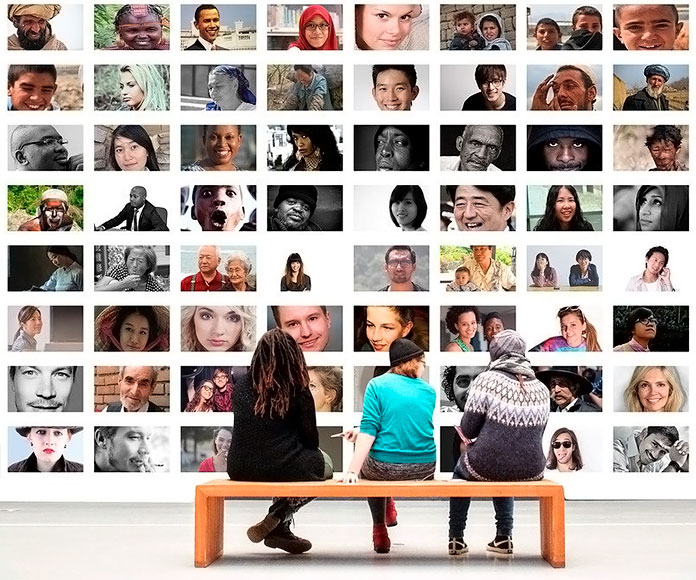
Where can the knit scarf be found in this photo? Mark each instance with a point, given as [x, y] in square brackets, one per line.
[513, 364]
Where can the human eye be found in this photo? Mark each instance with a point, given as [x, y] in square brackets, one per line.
[578, 144]
[382, 15]
[118, 150]
[41, 431]
[291, 324]
[231, 193]
[57, 433]
[134, 147]
[234, 317]
[402, 142]
[476, 143]
[552, 143]
[62, 375]
[205, 316]
[634, 28]
[206, 193]
[406, 18]
[134, 436]
[369, 324]
[29, 373]
[313, 318]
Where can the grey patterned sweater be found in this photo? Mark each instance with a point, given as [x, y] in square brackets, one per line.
[507, 418]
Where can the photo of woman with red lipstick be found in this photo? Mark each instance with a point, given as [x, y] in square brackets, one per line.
[48, 446]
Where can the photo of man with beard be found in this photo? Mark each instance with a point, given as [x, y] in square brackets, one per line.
[651, 96]
[33, 27]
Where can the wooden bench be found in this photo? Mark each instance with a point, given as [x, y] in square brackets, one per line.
[210, 504]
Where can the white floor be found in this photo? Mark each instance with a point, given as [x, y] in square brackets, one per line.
[612, 540]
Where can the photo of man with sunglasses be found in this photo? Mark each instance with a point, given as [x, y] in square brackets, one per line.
[567, 389]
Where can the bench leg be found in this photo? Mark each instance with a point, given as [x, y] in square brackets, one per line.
[552, 516]
[210, 519]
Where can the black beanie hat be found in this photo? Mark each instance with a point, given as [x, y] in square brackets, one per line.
[306, 193]
[402, 350]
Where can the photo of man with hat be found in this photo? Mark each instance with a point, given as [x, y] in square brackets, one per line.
[33, 28]
[650, 97]
[567, 388]
[293, 208]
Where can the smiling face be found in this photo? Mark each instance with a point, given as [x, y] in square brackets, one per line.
[491, 327]
[400, 266]
[466, 326]
[308, 325]
[405, 211]
[222, 143]
[316, 32]
[236, 272]
[208, 24]
[490, 30]
[563, 450]
[479, 210]
[218, 208]
[135, 333]
[583, 263]
[383, 27]
[135, 387]
[383, 327]
[206, 390]
[565, 154]
[32, 92]
[294, 213]
[492, 91]
[479, 146]
[655, 263]
[131, 93]
[650, 211]
[565, 207]
[393, 150]
[653, 447]
[223, 442]
[653, 390]
[42, 388]
[130, 156]
[647, 27]
[129, 449]
[141, 32]
[393, 91]
[223, 88]
[48, 443]
[542, 262]
[217, 328]
[32, 32]
[34, 325]
[572, 329]
[547, 36]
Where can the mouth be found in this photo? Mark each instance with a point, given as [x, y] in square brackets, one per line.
[48, 451]
[385, 166]
[295, 217]
[473, 225]
[645, 222]
[573, 167]
[132, 347]
[390, 41]
[566, 213]
[217, 342]
[218, 219]
[34, 107]
[391, 106]
[379, 346]
[476, 164]
[308, 344]
[44, 406]
[650, 46]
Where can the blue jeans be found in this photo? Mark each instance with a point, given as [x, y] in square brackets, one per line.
[459, 510]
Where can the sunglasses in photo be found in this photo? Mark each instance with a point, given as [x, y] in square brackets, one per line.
[559, 444]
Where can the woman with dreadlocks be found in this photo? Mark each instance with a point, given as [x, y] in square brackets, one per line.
[275, 436]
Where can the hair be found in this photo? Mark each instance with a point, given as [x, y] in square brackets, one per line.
[675, 400]
[128, 8]
[576, 457]
[489, 72]
[138, 134]
[190, 342]
[400, 249]
[192, 405]
[125, 311]
[15, 71]
[23, 316]
[549, 222]
[304, 68]
[332, 380]
[619, 7]
[535, 270]
[453, 314]
[404, 314]
[418, 141]
[243, 91]
[408, 69]
[106, 432]
[590, 334]
[586, 11]
[205, 129]
[152, 83]
[504, 194]
[301, 277]
[494, 20]
[662, 133]
[322, 138]
[216, 433]
[583, 254]
[658, 250]
[675, 209]
[463, 269]
[670, 433]
[586, 79]
[62, 251]
[276, 313]
[149, 254]
[155, 373]
[242, 257]
[197, 15]
[547, 22]
[399, 193]
[409, 368]
[635, 315]
[464, 15]
[279, 373]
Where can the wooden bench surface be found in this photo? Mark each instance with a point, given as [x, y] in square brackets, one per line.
[366, 488]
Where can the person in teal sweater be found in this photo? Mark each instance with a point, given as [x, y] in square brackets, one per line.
[396, 432]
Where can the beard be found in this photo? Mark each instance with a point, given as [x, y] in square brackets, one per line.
[34, 43]
[654, 93]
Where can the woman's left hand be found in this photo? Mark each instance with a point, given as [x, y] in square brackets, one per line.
[350, 477]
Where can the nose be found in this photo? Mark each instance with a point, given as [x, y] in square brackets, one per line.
[386, 150]
[45, 389]
[468, 210]
[305, 330]
[393, 26]
[144, 448]
[36, 28]
[219, 325]
[565, 154]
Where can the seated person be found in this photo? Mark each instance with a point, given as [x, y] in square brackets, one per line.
[490, 79]
[467, 36]
[584, 273]
[462, 281]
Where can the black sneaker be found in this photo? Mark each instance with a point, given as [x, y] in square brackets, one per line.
[501, 545]
[457, 546]
[260, 531]
[281, 537]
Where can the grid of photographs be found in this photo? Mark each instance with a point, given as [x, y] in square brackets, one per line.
[391, 236]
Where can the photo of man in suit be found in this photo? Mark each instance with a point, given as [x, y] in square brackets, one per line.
[207, 23]
[139, 215]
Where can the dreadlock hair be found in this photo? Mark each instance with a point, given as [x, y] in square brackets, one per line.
[278, 373]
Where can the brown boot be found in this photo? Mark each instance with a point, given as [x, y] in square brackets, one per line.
[281, 537]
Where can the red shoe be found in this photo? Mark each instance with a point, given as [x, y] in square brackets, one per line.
[380, 539]
[391, 513]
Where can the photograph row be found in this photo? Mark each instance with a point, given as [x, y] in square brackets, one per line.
[320, 87]
[403, 268]
[321, 147]
[379, 208]
[203, 389]
[372, 27]
[460, 328]
[145, 449]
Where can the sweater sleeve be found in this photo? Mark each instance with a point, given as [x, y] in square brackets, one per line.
[307, 417]
[476, 408]
[371, 417]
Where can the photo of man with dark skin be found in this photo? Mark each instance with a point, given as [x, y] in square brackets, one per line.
[564, 148]
[53, 214]
[207, 23]
[571, 88]
[33, 27]
[219, 208]
[42, 148]
[479, 146]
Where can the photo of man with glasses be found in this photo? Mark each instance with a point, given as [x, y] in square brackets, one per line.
[642, 325]
[490, 79]
[43, 148]
[400, 265]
